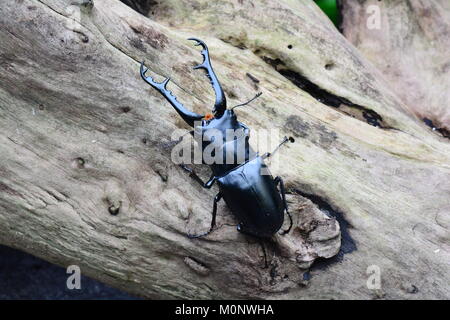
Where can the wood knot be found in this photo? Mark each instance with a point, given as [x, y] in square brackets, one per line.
[197, 266]
[114, 206]
[87, 4]
[79, 163]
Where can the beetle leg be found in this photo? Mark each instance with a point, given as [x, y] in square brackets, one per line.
[265, 255]
[194, 176]
[175, 142]
[279, 181]
[221, 102]
[213, 221]
[241, 228]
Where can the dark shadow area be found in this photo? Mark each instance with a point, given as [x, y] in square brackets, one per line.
[23, 276]
[444, 132]
[141, 6]
[348, 245]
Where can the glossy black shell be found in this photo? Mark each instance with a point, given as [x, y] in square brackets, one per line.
[228, 121]
[253, 198]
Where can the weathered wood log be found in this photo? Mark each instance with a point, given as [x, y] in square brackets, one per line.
[409, 45]
[86, 175]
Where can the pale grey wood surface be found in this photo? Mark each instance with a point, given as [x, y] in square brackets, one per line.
[82, 135]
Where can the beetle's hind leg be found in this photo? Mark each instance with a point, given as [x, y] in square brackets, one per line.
[213, 221]
[241, 228]
[279, 181]
[265, 254]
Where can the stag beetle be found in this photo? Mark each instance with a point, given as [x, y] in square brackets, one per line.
[252, 197]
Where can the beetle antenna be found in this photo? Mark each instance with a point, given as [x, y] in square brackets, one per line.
[243, 104]
[286, 139]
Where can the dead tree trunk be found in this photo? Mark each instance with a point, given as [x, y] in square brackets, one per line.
[409, 46]
[86, 175]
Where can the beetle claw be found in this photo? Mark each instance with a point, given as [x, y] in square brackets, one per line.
[150, 80]
[198, 42]
[188, 116]
[220, 103]
[200, 66]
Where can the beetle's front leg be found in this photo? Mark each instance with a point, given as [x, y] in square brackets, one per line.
[213, 221]
[279, 181]
[194, 176]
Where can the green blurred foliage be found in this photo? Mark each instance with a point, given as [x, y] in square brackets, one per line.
[330, 8]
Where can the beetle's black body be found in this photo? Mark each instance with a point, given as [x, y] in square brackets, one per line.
[251, 196]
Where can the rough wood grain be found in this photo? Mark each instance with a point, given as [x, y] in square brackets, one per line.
[410, 47]
[82, 136]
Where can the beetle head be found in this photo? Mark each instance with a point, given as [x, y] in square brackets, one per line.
[220, 109]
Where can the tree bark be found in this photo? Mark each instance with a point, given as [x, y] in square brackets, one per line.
[86, 175]
[409, 46]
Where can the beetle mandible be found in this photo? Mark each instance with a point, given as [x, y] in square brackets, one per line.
[252, 197]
